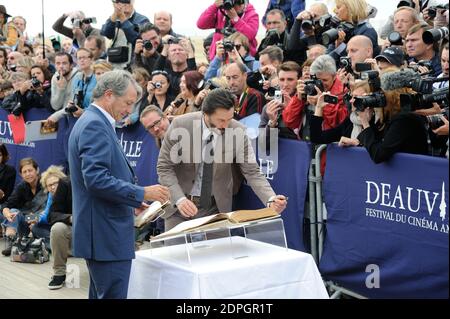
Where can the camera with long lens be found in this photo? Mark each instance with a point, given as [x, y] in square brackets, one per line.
[406, 3]
[435, 121]
[435, 35]
[345, 63]
[148, 45]
[332, 35]
[395, 38]
[310, 86]
[419, 101]
[228, 46]
[425, 63]
[376, 99]
[326, 22]
[35, 82]
[432, 10]
[425, 85]
[307, 25]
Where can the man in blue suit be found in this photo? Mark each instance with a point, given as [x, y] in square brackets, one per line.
[104, 190]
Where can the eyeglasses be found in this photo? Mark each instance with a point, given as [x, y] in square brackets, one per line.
[156, 124]
[159, 72]
[52, 184]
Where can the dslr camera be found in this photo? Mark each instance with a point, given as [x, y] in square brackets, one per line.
[373, 77]
[148, 45]
[435, 35]
[425, 63]
[229, 4]
[77, 102]
[310, 86]
[76, 23]
[435, 121]
[345, 63]
[395, 38]
[172, 40]
[432, 11]
[228, 46]
[377, 99]
[35, 82]
[332, 35]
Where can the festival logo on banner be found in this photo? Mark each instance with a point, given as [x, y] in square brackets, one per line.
[6, 135]
[415, 207]
[132, 150]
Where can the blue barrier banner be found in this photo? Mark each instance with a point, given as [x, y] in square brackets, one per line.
[387, 225]
[289, 179]
[142, 153]
[44, 152]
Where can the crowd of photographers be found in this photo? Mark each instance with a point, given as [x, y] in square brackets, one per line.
[319, 74]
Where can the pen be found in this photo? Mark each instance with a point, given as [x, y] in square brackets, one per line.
[271, 201]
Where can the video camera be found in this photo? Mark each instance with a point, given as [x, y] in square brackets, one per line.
[418, 101]
[376, 99]
[310, 86]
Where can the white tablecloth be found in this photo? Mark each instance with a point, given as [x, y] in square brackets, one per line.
[268, 272]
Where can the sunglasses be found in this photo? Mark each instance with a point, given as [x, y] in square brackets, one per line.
[159, 72]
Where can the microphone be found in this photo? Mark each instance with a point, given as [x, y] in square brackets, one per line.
[396, 80]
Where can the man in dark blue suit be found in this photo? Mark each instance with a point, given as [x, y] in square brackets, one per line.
[104, 190]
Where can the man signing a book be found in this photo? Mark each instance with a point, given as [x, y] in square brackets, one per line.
[196, 159]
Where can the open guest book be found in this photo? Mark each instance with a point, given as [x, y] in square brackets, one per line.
[219, 220]
[151, 214]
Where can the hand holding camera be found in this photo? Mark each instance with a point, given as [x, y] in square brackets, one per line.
[273, 110]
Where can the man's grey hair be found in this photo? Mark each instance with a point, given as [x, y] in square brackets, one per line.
[150, 109]
[118, 82]
[323, 64]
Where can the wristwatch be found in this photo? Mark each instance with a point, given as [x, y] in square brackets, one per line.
[272, 124]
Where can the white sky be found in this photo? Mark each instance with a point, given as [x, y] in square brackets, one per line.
[185, 12]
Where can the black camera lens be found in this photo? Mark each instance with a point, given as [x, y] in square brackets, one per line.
[395, 38]
[228, 46]
[307, 25]
[35, 82]
[148, 45]
[157, 85]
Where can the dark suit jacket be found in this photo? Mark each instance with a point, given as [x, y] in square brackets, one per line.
[103, 191]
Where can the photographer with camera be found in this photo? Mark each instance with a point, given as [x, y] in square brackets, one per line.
[278, 35]
[397, 130]
[228, 17]
[20, 83]
[248, 100]
[81, 27]
[96, 44]
[323, 79]
[126, 19]
[418, 50]
[148, 45]
[158, 90]
[176, 58]
[36, 93]
[359, 49]
[353, 15]
[404, 17]
[283, 98]
[270, 60]
[233, 49]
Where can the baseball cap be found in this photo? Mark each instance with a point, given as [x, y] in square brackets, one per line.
[394, 55]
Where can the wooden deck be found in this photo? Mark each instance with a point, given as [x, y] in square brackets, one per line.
[29, 281]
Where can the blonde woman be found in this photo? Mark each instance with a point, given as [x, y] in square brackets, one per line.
[356, 13]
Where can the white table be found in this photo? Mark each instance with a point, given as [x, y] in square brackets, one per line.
[269, 272]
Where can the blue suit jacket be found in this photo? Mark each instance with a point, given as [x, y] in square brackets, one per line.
[103, 191]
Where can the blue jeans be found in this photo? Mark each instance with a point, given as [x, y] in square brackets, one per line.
[19, 223]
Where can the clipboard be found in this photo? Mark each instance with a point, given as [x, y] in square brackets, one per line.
[37, 131]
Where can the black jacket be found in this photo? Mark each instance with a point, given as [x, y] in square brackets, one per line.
[61, 209]
[7, 180]
[332, 135]
[22, 197]
[405, 133]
